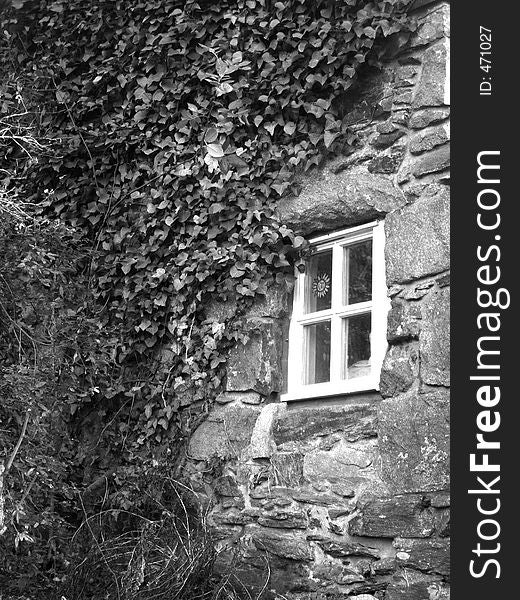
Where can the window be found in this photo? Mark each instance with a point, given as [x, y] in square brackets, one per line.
[337, 335]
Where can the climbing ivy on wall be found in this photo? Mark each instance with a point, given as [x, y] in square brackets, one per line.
[177, 127]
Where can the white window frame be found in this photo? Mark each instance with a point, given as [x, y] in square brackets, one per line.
[378, 306]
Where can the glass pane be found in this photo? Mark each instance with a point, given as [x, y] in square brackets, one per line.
[356, 346]
[358, 273]
[317, 353]
[318, 282]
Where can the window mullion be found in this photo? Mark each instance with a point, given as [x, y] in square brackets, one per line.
[335, 349]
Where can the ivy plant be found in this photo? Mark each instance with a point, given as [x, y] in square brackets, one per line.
[178, 126]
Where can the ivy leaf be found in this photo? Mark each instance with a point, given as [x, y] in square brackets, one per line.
[298, 241]
[289, 128]
[211, 135]
[215, 150]
[235, 273]
[221, 67]
[328, 138]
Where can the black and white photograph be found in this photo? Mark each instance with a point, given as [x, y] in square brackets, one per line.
[225, 301]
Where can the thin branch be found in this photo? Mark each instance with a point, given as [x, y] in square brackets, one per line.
[18, 443]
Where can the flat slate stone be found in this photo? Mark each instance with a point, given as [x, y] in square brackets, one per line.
[354, 421]
[283, 544]
[284, 519]
[406, 516]
[339, 549]
[432, 555]
[431, 162]
[310, 497]
[428, 116]
[428, 139]
[421, 590]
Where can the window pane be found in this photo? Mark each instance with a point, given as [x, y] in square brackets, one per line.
[356, 346]
[318, 282]
[358, 273]
[317, 353]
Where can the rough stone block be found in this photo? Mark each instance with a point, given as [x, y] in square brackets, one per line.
[407, 516]
[275, 304]
[353, 421]
[226, 486]
[431, 87]
[336, 573]
[432, 27]
[414, 441]
[425, 164]
[332, 200]
[400, 369]
[434, 339]
[250, 569]
[221, 311]
[388, 162]
[429, 139]
[418, 238]
[287, 469]
[428, 116]
[384, 140]
[404, 321]
[341, 464]
[431, 555]
[256, 365]
[262, 445]
[225, 432]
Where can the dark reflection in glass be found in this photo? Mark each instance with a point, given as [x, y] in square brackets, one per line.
[358, 273]
[317, 353]
[356, 346]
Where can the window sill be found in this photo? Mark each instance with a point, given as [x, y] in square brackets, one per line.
[323, 390]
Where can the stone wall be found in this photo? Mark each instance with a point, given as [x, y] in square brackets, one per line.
[348, 497]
